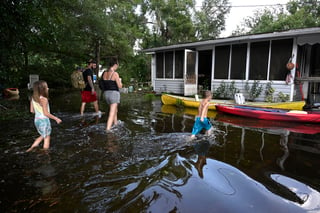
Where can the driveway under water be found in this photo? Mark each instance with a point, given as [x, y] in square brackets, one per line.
[146, 165]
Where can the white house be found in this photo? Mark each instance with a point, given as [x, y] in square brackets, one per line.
[184, 68]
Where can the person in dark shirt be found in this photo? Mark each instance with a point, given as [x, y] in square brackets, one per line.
[89, 94]
[112, 83]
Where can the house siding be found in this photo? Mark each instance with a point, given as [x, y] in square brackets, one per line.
[278, 86]
[169, 86]
[265, 60]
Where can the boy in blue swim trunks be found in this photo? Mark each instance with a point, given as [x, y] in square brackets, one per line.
[202, 122]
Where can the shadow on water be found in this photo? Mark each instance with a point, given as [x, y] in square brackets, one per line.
[146, 165]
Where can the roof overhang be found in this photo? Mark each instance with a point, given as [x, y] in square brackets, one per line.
[308, 35]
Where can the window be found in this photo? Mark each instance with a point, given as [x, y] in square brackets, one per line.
[259, 55]
[238, 61]
[221, 65]
[281, 51]
[179, 60]
[168, 65]
[159, 65]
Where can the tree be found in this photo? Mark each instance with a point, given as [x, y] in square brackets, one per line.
[210, 20]
[298, 14]
[50, 37]
[170, 21]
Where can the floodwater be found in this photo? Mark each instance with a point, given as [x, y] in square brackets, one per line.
[146, 165]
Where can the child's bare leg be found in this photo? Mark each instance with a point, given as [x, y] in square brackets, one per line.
[46, 143]
[35, 143]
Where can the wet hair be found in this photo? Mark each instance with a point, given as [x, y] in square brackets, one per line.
[207, 93]
[40, 89]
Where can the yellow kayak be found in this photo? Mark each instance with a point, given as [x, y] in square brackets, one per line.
[172, 109]
[193, 103]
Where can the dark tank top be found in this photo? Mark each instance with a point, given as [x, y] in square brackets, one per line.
[110, 84]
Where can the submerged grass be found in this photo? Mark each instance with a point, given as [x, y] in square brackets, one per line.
[11, 109]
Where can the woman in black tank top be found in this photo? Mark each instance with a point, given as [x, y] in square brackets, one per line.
[112, 83]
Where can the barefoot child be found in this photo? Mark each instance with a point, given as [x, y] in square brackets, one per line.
[202, 122]
[40, 106]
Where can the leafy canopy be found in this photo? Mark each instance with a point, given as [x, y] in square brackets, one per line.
[51, 38]
[298, 14]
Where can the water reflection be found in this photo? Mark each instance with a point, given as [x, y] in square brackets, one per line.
[308, 197]
[42, 176]
[201, 149]
[286, 132]
[88, 121]
[145, 164]
[284, 147]
[269, 126]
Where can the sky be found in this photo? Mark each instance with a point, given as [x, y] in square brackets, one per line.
[237, 14]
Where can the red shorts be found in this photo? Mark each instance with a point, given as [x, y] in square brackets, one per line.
[87, 96]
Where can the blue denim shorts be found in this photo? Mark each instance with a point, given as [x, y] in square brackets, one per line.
[43, 126]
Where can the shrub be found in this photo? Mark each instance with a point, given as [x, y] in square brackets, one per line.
[226, 91]
[254, 91]
[269, 92]
[283, 97]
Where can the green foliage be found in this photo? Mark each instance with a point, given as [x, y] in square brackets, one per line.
[254, 91]
[269, 92]
[298, 14]
[221, 91]
[283, 97]
[149, 97]
[210, 20]
[137, 67]
[179, 103]
[51, 38]
[232, 90]
[15, 109]
[170, 22]
[225, 91]
[206, 84]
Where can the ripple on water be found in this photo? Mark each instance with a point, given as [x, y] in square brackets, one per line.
[130, 170]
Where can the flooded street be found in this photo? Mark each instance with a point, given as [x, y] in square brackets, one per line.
[146, 165]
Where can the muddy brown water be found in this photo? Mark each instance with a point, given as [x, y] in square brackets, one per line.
[146, 165]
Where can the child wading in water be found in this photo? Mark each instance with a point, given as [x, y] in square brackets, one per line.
[40, 106]
[202, 122]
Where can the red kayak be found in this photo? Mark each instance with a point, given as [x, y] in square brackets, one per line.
[237, 121]
[270, 114]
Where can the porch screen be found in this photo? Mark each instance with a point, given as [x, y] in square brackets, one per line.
[179, 59]
[221, 65]
[238, 61]
[259, 54]
[168, 65]
[281, 51]
[191, 75]
[159, 65]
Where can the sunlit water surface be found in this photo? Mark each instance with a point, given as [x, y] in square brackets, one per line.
[146, 164]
